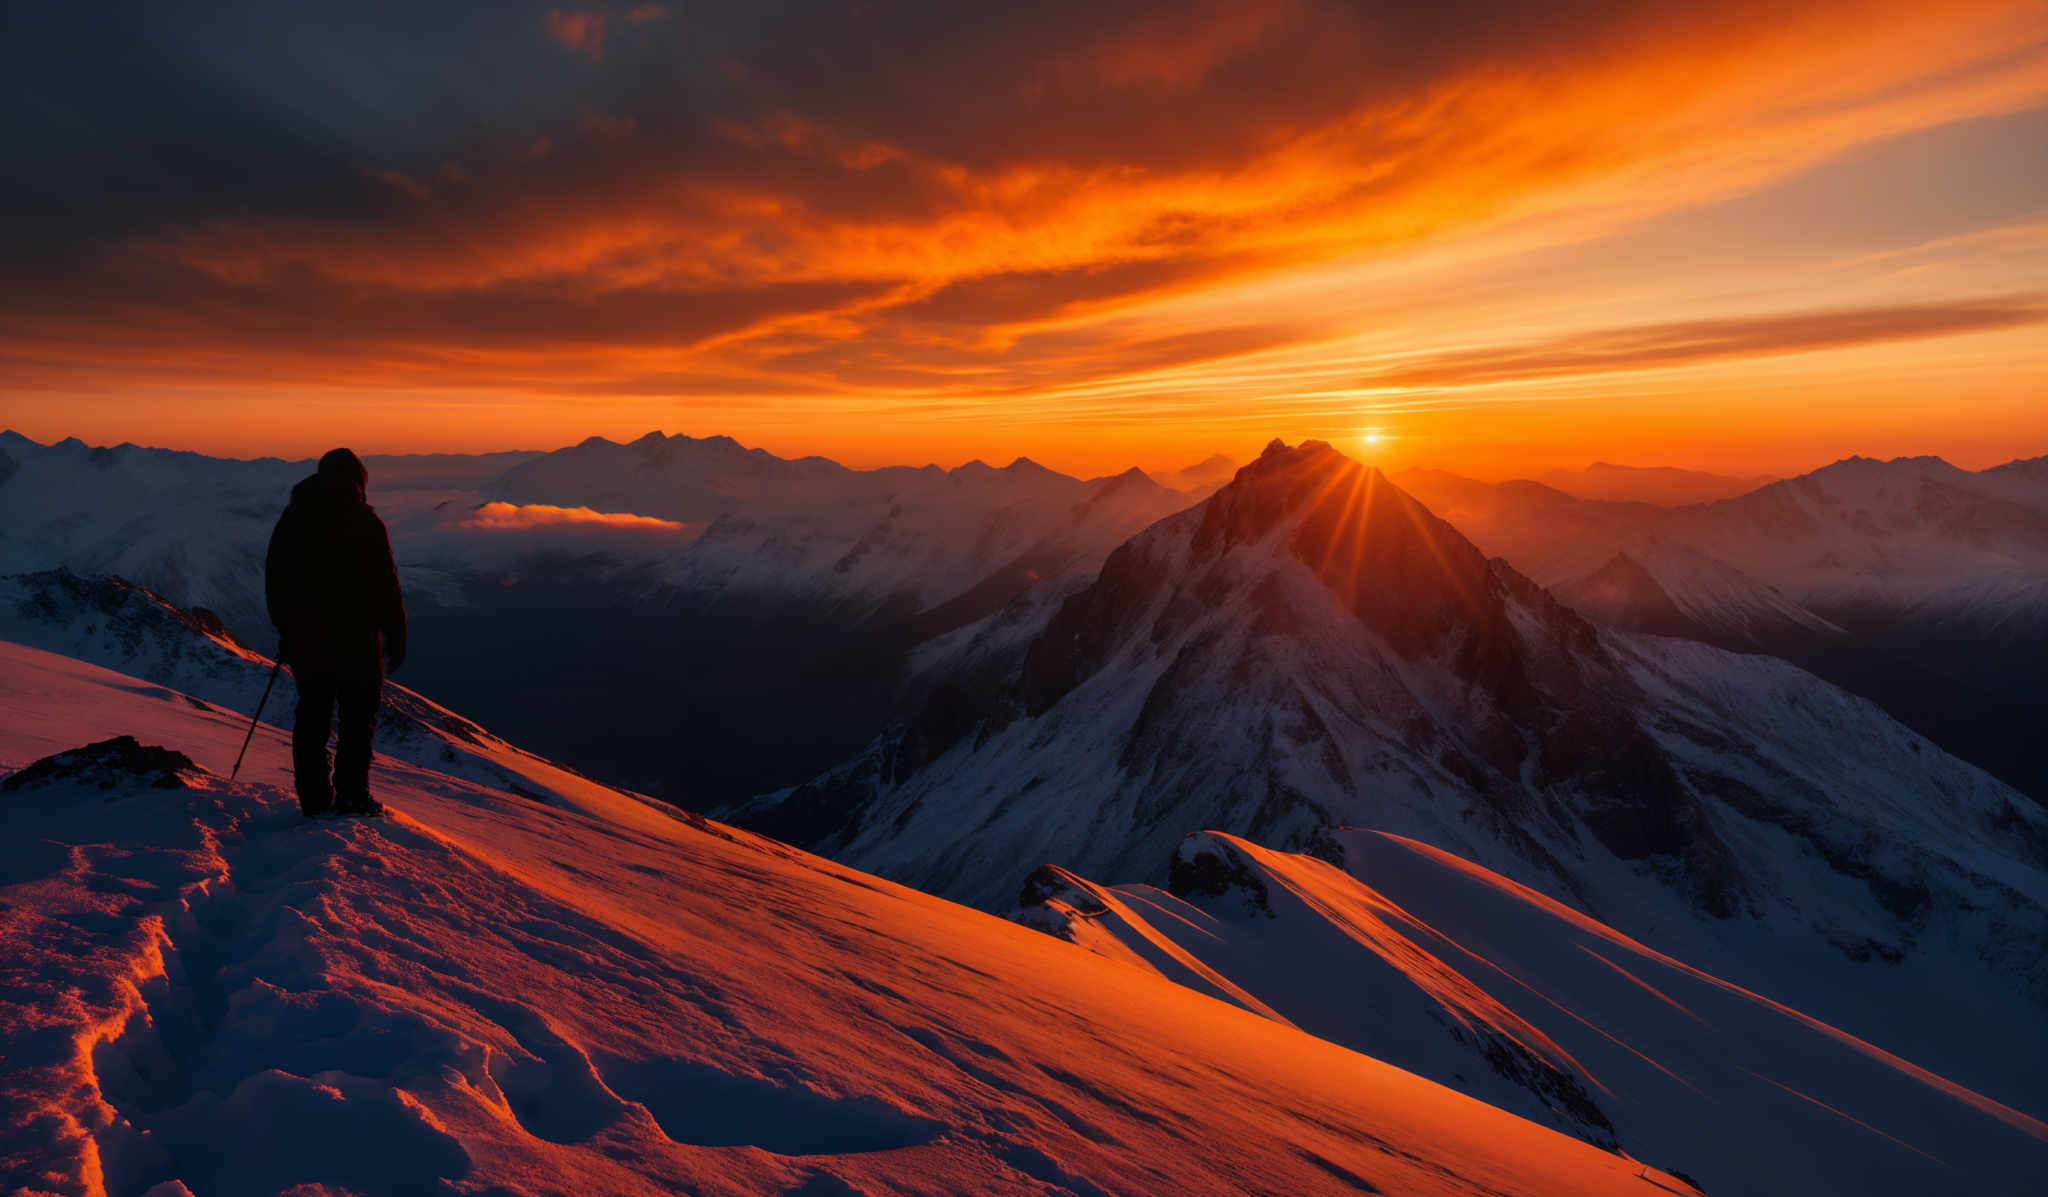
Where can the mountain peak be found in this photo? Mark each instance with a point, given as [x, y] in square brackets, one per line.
[1411, 578]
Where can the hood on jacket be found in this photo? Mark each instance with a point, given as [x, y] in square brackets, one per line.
[341, 480]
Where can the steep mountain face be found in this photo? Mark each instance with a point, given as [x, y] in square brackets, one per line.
[1919, 585]
[1450, 970]
[555, 988]
[1312, 648]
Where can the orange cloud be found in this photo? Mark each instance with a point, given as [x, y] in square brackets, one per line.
[1646, 347]
[511, 517]
[1029, 205]
[579, 30]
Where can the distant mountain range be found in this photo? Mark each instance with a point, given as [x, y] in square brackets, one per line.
[1662, 485]
[753, 641]
[1914, 583]
[1911, 582]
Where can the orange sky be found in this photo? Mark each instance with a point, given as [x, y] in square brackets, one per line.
[1745, 236]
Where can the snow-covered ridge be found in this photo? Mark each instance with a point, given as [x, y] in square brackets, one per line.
[207, 994]
[119, 626]
[1414, 956]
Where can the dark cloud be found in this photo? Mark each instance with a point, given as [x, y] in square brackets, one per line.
[1023, 296]
[929, 183]
[167, 305]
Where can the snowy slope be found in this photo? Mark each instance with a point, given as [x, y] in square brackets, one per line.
[114, 625]
[1427, 961]
[1670, 590]
[204, 993]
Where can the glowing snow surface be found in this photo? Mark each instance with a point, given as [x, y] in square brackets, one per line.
[1429, 961]
[580, 992]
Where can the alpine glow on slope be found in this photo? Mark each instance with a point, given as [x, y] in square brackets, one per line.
[559, 988]
[1465, 976]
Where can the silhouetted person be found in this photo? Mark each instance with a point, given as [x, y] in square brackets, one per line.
[333, 594]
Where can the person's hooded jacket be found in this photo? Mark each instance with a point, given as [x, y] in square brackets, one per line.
[329, 579]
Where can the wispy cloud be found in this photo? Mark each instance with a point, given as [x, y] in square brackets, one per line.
[891, 202]
[581, 30]
[1654, 346]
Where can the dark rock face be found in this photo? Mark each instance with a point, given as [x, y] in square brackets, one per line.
[131, 611]
[118, 763]
[1050, 882]
[1202, 867]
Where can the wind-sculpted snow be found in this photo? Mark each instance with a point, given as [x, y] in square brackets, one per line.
[205, 993]
[1417, 957]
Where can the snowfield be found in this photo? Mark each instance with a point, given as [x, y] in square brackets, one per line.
[571, 990]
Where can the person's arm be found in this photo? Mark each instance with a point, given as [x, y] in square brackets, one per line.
[391, 601]
[279, 571]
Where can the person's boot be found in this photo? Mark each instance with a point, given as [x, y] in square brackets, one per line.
[358, 804]
[315, 801]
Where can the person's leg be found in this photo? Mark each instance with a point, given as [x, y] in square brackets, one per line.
[359, 700]
[309, 741]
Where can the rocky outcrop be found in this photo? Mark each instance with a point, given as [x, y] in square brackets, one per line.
[122, 763]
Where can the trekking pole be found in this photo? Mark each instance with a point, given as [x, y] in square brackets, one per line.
[253, 718]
